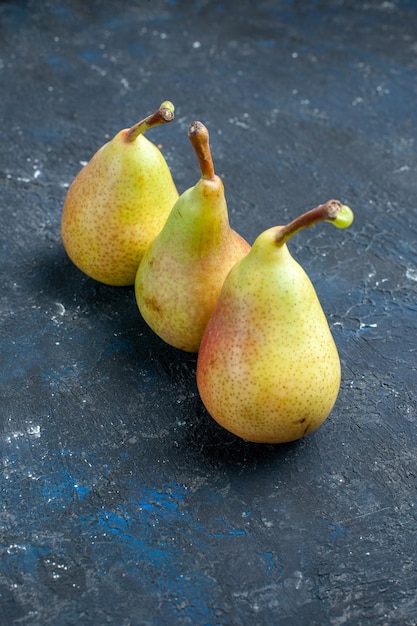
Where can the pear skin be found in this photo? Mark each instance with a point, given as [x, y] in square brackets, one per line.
[268, 369]
[118, 203]
[183, 270]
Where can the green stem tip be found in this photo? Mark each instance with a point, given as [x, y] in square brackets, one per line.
[163, 115]
[333, 211]
[343, 218]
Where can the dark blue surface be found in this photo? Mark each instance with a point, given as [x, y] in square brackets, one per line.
[122, 501]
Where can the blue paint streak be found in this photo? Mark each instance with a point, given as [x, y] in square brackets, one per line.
[63, 487]
[228, 530]
[271, 565]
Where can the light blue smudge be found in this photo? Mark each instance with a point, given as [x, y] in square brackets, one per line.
[92, 56]
[61, 11]
[136, 50]
[58, 380]
[23, 558]
[17, 14]
[127, 346]
[336, 529]
[56, 61]
[266, 43]
[268, 557]
[220, 8]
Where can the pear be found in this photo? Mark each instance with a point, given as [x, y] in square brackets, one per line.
[183, 270]
[118, 203]
[268, 369]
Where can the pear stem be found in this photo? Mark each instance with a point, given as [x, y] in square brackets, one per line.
[199, 137]
[164, 114]
[330, 211]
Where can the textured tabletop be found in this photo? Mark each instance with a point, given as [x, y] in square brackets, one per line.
[122, 501]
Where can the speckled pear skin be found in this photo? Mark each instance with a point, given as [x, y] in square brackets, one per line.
[115, 207]
[182, 272]
[268, 369]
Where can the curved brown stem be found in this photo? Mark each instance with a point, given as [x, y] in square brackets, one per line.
[331, 211]
[164, 114]
[199, 137]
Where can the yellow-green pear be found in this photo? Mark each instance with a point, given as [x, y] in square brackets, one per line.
[182, 272]
[268, 369]
[118, 203]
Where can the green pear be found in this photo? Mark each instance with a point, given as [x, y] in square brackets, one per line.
[268, 369]
[183, 270]
[118, 203]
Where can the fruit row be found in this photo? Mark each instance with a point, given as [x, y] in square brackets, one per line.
[267, 366]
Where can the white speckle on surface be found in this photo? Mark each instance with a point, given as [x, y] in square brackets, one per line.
[237, 122]
[60, 308]
[298, 579]
[196, 44]
[34, 430]
[99, 70]
[363, 326]
[14, 435]
[267, 523]
[382, 91]
[411, 273]
[13, 548]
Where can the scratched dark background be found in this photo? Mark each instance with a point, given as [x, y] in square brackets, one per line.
[122, 502]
